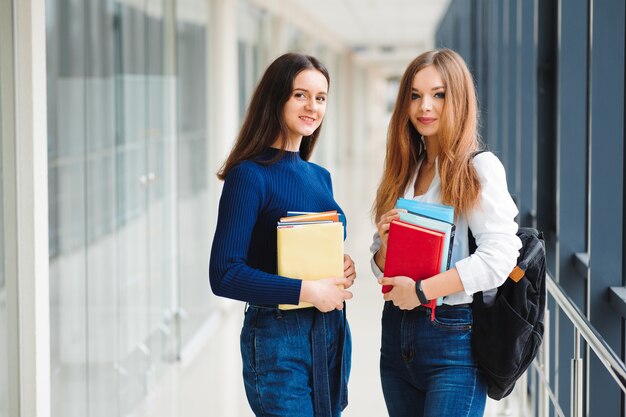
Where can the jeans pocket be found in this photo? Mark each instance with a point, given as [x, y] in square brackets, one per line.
[247, 339]
[453, 319]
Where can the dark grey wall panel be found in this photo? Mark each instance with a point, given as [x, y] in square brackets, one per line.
[550, 81]
[546, 123]
[606, 139]
[527, 121]
[572, 189]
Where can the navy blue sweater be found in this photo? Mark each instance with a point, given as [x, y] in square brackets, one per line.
[254, 197]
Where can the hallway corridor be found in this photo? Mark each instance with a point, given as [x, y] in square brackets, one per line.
[115, 116]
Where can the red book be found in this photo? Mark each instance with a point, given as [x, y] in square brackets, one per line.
[413, 251]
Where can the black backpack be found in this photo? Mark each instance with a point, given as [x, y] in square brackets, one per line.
[507, 334]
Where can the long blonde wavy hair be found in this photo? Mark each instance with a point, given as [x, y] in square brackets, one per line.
[458, 137]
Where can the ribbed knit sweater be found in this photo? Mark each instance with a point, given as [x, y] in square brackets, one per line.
[255, 196]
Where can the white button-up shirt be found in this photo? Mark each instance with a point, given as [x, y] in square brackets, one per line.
[492, 222]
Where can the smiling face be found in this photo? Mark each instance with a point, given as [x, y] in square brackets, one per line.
[427, 100]
[304, 111]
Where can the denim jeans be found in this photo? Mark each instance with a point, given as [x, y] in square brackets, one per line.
[427, 367]
[296, 363]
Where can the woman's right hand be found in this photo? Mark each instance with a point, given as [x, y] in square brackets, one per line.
[383, 228]
[326, 294]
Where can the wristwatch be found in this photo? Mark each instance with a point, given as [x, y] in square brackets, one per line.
[420, 293]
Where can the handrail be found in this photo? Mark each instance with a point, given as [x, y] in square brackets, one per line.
[546, 384]
[605, 353]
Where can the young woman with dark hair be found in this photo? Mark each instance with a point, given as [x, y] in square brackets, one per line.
[295, 362]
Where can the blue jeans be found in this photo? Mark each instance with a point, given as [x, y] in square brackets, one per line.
[296, 363]
[427, 367]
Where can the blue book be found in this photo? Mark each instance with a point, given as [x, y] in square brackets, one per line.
[432, 210]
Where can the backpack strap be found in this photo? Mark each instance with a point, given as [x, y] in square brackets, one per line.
[471, 240]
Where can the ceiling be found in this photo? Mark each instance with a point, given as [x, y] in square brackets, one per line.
[383, 33]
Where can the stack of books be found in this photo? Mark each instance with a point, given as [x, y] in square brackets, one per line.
[310, 247]
[420, 243]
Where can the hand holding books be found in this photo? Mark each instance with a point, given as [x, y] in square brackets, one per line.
[403, 293]
[310, 248]
[419, 246]
[324, 294]
[383, 232]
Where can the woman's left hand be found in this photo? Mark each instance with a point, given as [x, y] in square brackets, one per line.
[349, 270]
[402, 294]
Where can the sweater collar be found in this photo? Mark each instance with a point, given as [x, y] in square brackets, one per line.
[287, 156]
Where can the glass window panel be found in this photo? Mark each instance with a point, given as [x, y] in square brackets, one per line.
[131, 39]
[66, 71]
[112, 201]
[101, 211]
[4, 360]
[52, 75]
[2, 279]
[193, 198]
[161, 146]
[123, 192]
[249, 33]
[131, 183]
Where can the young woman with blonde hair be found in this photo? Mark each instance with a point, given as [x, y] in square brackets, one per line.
[426, 366]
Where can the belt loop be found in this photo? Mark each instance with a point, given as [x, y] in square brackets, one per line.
[279, 313]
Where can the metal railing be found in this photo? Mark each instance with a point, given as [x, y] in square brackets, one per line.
[537, 400]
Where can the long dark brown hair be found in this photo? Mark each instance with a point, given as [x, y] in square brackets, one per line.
[264, 122]
[458, 136]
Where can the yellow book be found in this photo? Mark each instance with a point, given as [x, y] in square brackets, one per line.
[310, 251]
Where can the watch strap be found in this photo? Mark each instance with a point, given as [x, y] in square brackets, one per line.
[420, 293]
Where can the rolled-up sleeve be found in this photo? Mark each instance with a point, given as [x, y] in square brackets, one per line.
[493, 225]
[373, 249]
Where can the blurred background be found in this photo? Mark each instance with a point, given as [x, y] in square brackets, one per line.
[116, 114]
